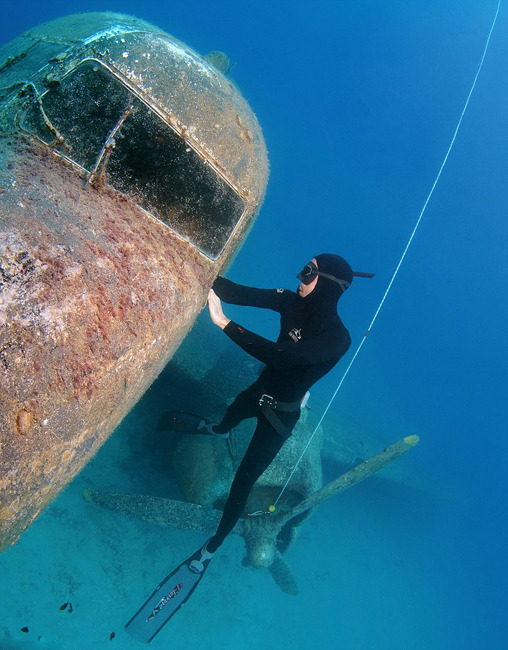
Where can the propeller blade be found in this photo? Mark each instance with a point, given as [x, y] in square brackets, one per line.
[165, 512]
[283, 575]
[355, 475]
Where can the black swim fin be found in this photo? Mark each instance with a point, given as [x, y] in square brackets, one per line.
[168, 597]
[184, 422]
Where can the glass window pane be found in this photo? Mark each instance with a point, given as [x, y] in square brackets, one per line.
[172, 182]
[83, 108]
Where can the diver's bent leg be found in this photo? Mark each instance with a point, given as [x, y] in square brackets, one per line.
[264, 446]
[244, 406]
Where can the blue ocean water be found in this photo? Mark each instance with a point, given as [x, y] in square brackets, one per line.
[358, 102]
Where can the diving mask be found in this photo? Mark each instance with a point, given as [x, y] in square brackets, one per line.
[310, 272]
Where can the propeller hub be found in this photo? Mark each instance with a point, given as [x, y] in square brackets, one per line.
[260, 552]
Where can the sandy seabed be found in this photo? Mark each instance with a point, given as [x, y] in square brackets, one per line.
[356, 577]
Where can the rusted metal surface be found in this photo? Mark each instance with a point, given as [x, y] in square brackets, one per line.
[95, 293]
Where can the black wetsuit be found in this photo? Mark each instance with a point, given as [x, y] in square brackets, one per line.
[311, 341]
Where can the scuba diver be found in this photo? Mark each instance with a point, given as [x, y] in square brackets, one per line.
[312, 339]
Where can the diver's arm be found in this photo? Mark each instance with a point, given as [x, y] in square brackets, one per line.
[329, 345]
[238, 294]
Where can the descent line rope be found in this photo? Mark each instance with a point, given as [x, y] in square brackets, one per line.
[395, 273]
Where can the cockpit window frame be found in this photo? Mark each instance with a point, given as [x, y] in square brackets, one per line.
[165, 118]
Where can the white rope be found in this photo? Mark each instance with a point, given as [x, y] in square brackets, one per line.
[401, 258]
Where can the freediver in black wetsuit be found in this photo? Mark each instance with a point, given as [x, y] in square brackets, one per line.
[312, 339]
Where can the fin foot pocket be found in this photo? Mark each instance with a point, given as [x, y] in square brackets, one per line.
[208, 427]
[184, 422]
